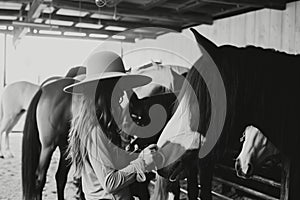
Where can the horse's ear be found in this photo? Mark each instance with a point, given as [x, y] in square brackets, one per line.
[154, 64]
[75, 71]
[205, 44]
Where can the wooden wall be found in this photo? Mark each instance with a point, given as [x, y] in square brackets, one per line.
[266, 28]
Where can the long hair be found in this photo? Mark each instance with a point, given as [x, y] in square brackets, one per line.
[94, 112]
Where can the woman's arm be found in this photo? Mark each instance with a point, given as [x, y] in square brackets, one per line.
[111, 179]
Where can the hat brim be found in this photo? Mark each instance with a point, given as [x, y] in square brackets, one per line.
[125, 82]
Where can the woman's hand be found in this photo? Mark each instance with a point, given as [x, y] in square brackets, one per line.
[152, 157]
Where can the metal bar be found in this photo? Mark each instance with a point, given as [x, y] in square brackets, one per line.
[285, 178]
[256, 178]
[245, 189]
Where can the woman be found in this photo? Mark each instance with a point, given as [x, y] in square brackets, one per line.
[95, 142]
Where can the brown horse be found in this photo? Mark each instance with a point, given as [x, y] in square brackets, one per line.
[46, 127]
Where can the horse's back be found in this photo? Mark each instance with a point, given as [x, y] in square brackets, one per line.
[17, 96]
[54, 110]
[263, 85]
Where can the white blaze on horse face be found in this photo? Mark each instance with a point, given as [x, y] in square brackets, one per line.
[178, 137]
[255, 149]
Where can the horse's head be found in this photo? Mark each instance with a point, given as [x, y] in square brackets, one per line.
[148, 108]
[255, 152]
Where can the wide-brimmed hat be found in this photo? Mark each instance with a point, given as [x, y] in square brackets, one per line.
[106, 65]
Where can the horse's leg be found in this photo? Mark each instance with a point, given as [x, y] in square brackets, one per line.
[192, 182]
[3, 127]
[8, 153]
[44, 162]
[11, 125]
[206, 174]
[175, 189]
[62, 171]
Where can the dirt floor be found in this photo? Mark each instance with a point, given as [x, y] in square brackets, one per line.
[10, 175]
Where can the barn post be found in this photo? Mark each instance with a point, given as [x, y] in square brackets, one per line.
[285, 179]
[4, 60]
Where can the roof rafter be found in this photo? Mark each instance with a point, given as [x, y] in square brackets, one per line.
[34, 12]
[153, 4]
[274, 4]
[141, 14]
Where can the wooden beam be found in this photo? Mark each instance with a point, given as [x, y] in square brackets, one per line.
[128, 34]
[274, 4]
[234, 11]
[9, 12]
[153, 3]
[77, 37]
[34, 12]
[189, 5]
[106, 22]
[159, 15]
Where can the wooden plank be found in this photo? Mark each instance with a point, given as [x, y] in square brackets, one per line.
[234, 11]
[130, 40]
[278, 4]
[189, 5]
[262, 28]
[153, 4]
[245, 189]
[225, 36]
[275, 29]
[96, 21]
[250, 28]
[288, 29]
[237, 31]
[285, 177]
[216, 32]
[254, 177]
[128, 34]
[297, 28]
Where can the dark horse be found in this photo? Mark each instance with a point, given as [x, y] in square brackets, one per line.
[262, 89]
[46, 127]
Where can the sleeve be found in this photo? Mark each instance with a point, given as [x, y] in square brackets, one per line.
[111, 179]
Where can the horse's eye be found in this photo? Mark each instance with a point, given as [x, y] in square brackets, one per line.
[242, 139]
[134, 116]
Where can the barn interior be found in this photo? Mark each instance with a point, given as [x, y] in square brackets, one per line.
[127, 21]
